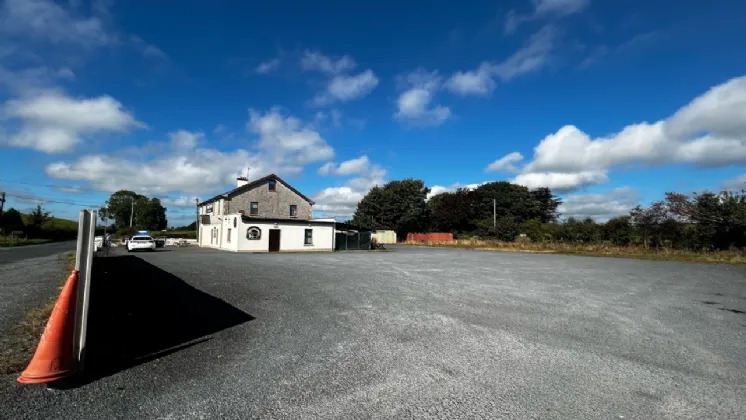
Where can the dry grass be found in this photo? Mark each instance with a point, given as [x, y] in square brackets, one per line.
[600, 250]
[8, 242]
[18, 346]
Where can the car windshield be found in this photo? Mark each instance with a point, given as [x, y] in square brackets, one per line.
[142, 238]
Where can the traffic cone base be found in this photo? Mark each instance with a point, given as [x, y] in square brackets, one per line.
[53, 359]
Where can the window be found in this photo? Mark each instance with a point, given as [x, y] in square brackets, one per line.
[229, 236]
[254, 209]
[272, 185]
[309, 237]
[208, 208]
[293, 210]
[254, 233]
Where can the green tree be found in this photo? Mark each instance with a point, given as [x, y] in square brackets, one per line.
[11, 220]
[36, 220]
[453, 212]
[546, 205]
[619, 230]
[398, 205]
[146, 213]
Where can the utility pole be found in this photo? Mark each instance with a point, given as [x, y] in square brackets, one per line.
[2, 201]
[494, 214]
[196, 225]
[132, 209]
[248, 169]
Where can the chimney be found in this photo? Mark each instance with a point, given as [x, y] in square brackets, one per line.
[241, 181]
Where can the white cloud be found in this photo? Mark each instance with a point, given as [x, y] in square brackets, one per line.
[342, 201]
[601, 207]
[32, 80]
[285, 144]
[148, 50]
[505, 163]
[343, 88]
[532, 56]
[477, 82]
[268, 66]
[53, 122]
[316, 61]
[348, 167]
[709, 132]
[439, 189]
[544, 9]
[561, 181]
[414, 105]
[735, 184]
[48, 21]
[288, 139]
[220, 128]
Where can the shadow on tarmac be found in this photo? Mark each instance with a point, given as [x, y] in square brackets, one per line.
[140, 313]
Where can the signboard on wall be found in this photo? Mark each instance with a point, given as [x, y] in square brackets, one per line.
[208, 208]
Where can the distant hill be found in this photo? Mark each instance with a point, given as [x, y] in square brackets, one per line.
[55, 228]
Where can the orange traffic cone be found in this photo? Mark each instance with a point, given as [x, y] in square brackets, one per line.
[53, 359]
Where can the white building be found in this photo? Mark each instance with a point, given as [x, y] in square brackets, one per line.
[266, 215]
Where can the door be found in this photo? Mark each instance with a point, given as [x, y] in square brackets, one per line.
[274, 240]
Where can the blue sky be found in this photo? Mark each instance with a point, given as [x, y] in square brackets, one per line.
[609, 103]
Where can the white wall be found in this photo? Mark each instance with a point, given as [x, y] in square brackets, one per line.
[292, 237]
[230, 233]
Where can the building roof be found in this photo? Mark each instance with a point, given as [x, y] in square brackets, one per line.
[253, 184]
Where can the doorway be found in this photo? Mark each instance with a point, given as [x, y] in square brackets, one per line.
[274, 240]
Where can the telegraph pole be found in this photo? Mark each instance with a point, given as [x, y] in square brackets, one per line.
[132, 209]
[494, 214]
[2, 201]
[196, 225]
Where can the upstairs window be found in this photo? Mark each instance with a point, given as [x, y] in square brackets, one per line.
[272, 184]
[293, 210]
[254, 208]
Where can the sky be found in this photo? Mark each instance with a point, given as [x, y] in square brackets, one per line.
[608, 103]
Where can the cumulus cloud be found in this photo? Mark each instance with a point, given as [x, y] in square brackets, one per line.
[288, 139]
[710, 131]
[53, 122]
[439, 189]
[505, 163]
[29, 81]
[316, 61]
[414, 105]
[342, 201]
[532, 56]
[601, 207]
[180, 201]
[285, 144]
[348, 167]
[48, 21]
[344, 88]
[268, 66]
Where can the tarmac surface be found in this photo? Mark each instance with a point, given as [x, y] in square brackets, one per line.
[191, 333]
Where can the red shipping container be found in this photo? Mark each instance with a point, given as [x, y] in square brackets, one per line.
[430, 237]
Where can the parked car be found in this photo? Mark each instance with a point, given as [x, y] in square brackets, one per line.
[139, 243]
[160, 242]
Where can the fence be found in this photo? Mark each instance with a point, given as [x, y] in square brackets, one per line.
[351, 240]
[430, 237]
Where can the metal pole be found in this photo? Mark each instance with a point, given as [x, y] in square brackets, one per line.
[196, 225]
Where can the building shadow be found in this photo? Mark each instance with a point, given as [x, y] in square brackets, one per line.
[139, 312]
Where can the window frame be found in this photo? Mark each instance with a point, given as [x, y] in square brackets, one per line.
[293, 213]
[308, 239]
[272, 185]
[251, 208]
[228, 240]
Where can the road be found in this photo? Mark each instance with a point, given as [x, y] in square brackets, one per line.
[16, 254]
[414, 333]
[29, 278]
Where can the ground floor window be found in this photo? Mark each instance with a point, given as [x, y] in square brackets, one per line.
[229, 236]
[309, 237]
[253, 233]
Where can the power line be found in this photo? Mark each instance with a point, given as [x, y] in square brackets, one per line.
[51, 185]
[44, 200]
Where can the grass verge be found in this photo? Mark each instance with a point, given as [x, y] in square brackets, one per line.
[18, 346]
[596, 250]
[4, 241]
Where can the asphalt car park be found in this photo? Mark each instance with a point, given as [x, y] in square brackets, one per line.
[411, 333]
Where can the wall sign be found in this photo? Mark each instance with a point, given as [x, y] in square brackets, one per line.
[253, 233]
[208, 208]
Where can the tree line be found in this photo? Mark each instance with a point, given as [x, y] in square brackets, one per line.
[705, 221]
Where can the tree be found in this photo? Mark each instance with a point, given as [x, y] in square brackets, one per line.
[36, 219]
[648, 222]
[11, 220]
[398, 205]
[146, 213]
[619, 230]
[546, 205]
[453, 212]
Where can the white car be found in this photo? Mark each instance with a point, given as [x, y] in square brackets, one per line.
[139, 243]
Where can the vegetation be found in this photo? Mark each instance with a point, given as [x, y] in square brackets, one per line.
[36, 227]
[692, 227]
[145, 213]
